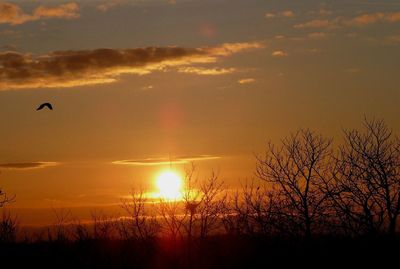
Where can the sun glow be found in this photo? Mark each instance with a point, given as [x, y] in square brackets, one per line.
[169, 185]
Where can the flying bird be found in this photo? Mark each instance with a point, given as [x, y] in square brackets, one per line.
[48, 105]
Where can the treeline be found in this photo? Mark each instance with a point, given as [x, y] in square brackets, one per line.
[305, 187]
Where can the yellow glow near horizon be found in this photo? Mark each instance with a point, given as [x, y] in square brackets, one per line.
[169, 184]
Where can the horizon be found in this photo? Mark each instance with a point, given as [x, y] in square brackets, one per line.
[139, 88]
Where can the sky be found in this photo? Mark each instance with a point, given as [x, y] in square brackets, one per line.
[139, 86]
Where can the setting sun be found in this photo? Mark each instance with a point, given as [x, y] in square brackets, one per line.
[169, 185]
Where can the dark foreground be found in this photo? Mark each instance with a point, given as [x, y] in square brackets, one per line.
[215, 252]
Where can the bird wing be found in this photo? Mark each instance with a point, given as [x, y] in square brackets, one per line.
[48, 105]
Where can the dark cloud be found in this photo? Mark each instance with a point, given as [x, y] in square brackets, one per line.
[76, 68]
[26, 165]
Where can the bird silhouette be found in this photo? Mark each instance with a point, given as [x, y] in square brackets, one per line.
[48, 105]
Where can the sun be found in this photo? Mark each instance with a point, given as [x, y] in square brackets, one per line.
[169, 184]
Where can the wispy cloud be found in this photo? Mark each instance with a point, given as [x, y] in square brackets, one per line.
[246, 80]
[287, 14]
[372, 18]
[279, 53]
[166, 160]
[228, 49]
[147, 87]
[85, 67]
[318, 23]
[359, 20]
[282, 14]
[206, 71]
[27, 165]
[14, 15]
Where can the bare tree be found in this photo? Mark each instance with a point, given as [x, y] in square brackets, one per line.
[4, 199]
[366, 186]
[142, 224]
[81, 232]
[212, 204]
[191, 200]
[103, 226]
[204, 203]
[61, 232]
[250, 210]
[8, 228]
[296, 170]
[173, 217]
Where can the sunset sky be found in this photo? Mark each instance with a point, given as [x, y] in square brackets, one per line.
[140, 85]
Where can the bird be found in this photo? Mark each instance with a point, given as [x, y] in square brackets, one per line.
[48, 105]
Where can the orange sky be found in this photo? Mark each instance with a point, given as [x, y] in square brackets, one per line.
[135, 84]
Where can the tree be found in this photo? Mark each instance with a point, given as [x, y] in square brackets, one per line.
[3, 198]
[296, 170]
[8, 224]
[142, 224]
[212, 204]
[8, 228]
[366, 186]
[204, 203]
[250, 211]
[173, 217]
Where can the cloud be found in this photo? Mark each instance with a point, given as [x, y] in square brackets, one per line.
[14, 15]
[287, 14]
[282, 14]
[228, 49]
[317, 24]
[166, 160]
[246, 80]
[27, 165]
[106, 5]
[393, 17]
[359, 20]
[206, 71]
[366, 19]
[87, 67]
[270, 15]
[372, 18]
[65, 11]
[279, 53]
[147, 87]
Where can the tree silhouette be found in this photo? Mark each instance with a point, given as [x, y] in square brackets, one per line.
[296, 170]
[142, 224]
[365, 190]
